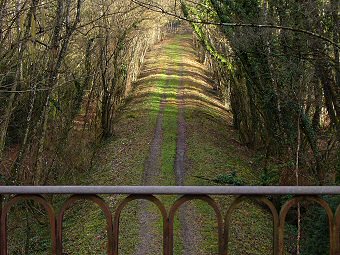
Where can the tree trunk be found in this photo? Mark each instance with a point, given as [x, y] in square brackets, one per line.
[56, 59]
[335, 6]
[18, 74]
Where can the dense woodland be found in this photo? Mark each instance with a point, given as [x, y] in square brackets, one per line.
[65, 68]
[68, 66]
[277, 65]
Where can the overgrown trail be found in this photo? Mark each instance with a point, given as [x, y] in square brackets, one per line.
[181, 137]
[172, 129]
[187, 214]
[173, 68]
[147, 220]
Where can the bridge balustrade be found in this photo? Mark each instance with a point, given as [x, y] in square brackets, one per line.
[259, 195]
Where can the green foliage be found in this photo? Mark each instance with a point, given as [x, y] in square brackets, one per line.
[316, 232]
[229, 179]
[274, 86]
[270, 170]
[337, 171]
[124, 70]
[269, 177]
[246, 9]
[56, 104]
[316, 228]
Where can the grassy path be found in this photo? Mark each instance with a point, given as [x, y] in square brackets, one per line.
[198, 140]
[190, 234]
[168, 152]
[172, 129]
[147, 219]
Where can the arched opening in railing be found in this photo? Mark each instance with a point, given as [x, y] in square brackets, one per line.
[47, 207]
[118, 214]
[105, 210]
[298, 200]
[185, 199]
[257, 201]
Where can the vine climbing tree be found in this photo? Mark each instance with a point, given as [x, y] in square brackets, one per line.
[277, 64]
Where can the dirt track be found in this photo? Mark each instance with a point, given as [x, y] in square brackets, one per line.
[188, 221]
[187, 214]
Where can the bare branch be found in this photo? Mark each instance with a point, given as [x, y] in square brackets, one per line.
[160, 9]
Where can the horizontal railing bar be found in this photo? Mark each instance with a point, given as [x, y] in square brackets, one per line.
[174, 190]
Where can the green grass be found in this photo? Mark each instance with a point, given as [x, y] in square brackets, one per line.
[210, 156]
[170, 133]
[170, 121]
[211, 152]
[119, 161]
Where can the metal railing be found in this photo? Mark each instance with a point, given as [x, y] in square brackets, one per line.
[187, 193]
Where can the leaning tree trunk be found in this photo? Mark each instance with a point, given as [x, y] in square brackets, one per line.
[22, 40]
[56, 59]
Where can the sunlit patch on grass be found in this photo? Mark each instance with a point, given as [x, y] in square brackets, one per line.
[210, 152]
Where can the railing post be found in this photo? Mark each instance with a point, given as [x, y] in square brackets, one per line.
[1, 244]
[337, 231]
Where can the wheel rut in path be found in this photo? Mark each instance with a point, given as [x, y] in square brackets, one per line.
[188, 217]
[152, 169]
[190, 234]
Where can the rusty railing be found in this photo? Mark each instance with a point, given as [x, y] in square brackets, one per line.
[186, 193]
